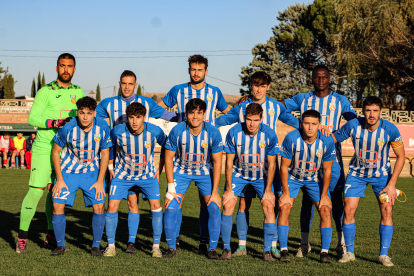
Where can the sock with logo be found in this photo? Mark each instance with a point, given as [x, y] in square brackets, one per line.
[225, 228]
[98, 224]
[156, 225]
[111, 222]
[386, 237]
[29, 206]
[133, 224]
[214, 222]
[349, 231]
[59, 225]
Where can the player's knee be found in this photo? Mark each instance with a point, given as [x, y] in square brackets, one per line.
[268, 210]
[132, 205]
[99, 208]
[386, 211]
[285, 209]
[58, 208]
[325, 212]
[155, 205]
[228, 207]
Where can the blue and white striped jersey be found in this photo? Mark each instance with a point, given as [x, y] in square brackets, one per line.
[81, 150]
[307, 159]
[330, 107]
[182, 93]
[371, 157]
[114, 108]
[135, 153]
[250, 161]
[273, 110]
[193, 153]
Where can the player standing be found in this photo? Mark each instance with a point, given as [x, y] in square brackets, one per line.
[82, 164]
[135, 144]
[53, 103]
[113, 110]
[190, 148]
[331, 106]
[181, 94]
[372, 138]
[306, 153]
[273, 111]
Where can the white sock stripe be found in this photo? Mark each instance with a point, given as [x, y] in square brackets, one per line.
[157, 210]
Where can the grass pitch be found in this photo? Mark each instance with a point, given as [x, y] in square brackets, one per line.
[13, 188]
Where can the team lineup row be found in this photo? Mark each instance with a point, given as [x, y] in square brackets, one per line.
[311, 161]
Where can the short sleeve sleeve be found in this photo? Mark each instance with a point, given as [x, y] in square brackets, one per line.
[329, 152]
[171, 98]
[347, 109]
[229, 146]
[343, 133]
[230, 118]
[217, 142]
[286, 149]
[101, 111]
[106, 141]
[155, 110]
[273, 147]
[171, 142]
[293, 104]
[221, 102]
[114, 142]
[287, 117]
[60, 137]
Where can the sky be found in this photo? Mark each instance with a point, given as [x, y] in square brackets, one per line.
[152, 38]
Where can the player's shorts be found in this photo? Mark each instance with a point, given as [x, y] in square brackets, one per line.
[4, 150]
[239, 184]
[82, 181]
[203, 182]
[355, 186]
[19, 150]
[42, 172]
[120, 188]
[314, 189]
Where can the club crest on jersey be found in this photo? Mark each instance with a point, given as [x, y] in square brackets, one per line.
[271, 112]
[97, 137]
[262, 144]
[147, 144]
[209, 97]
[73, 99]
[332, 106]
[380, 142]
[204, 143]
[319, 153]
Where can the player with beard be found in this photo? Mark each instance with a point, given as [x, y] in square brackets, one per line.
[181, 94]
[53, 107]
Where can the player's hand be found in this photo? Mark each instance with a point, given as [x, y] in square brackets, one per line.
[325, 130]
[99, 190]
[111, 174]
[284, 199]
[325, 201]
[58, 123]
[57, 188]
[215, 197]
[228, 195]
[242, 99]
[170, 197]
[391, 192]
[268, 195]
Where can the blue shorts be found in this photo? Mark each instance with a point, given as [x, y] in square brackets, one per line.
[203, 182]
[239, 185]
[314, 189]
[81, 181]
[355, 186]
[149, 187]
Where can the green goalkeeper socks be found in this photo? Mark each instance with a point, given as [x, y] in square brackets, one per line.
[49, 210]
[29, 206]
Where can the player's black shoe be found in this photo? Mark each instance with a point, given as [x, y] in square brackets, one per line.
[50, 241]
[202, 249]
[284, 256]
[324, 258]
[60, 250]
[212, 254]
[95, 252]
[171, 253]
[130, 248]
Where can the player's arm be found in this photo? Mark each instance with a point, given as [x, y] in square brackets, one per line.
[215, 196]
[390, 189]
[268, 194]
[60, 183]
[162, 104]
[226, 110]
[230, 118]
[343, 133]
[102, 113]
[288, 118]
[284, 178]
[327, 174]
[169, 171]
[229, 194]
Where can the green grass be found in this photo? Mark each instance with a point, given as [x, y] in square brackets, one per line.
[13, 187]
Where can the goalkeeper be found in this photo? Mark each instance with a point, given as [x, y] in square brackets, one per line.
[54, 105]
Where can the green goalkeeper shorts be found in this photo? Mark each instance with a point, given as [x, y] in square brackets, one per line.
[42, 172]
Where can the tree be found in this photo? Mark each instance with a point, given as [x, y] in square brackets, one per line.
[39, 82]
[139, 92]
[98, 93]
[43, 80]
[1, 82]
[154, 97]
[119, 91]
[8, 85]
[33, 91]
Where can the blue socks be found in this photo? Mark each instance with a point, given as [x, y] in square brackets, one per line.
[242, 225]
[385, 232]
[59, 226]
[276, 236]
[283, 232]
[111, 222]
[269, 233]
[203, 222]
[170, 223]
[98, 224]
[226, 226]
[326, 237]
[133, 224]
[338, 215]
[349, 236]
[156, 225]
[179, 220]
[214, 222]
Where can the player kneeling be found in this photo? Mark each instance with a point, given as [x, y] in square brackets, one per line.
[135, 144]
[251, 150]
[304, 152]
[81, 165]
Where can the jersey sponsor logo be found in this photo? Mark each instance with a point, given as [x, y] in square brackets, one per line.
[271, 112]
[380, 142]
[262, 144]
[251, 162]
[368, 163]
[85, 156]
[97, 137]
[147, 144]
[137, 160]
[319, 153]
[73, 99]
[309, 170]
[332, 106]
[204, 144]
[209, 97]
[325, 122]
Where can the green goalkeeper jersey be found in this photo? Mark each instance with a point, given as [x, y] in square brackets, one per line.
[52, 102]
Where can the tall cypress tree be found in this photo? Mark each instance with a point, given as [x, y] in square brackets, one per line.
[119, 91]
[43, 80]
[39, 82]
[139, 91]
[8, 82]
[98, 93]
[33, 92]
